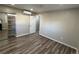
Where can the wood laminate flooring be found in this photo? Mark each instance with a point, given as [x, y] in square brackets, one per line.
[33, 44]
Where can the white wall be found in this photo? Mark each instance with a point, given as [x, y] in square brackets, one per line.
[22, 21]
[62, 26]
[22, 24]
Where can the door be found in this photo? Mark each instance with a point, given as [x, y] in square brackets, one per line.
[32, 24]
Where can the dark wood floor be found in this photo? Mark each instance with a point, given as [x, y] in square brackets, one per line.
[33, 44]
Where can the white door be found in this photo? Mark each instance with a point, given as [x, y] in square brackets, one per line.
[32, 24]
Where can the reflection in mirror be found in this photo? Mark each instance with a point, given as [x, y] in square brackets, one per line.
[0, 25]
[0, 21]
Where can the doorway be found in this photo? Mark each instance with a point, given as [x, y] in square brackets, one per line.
[34, 24]
[37, 23]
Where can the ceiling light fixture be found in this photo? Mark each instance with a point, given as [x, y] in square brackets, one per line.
[31, 9]
[27, 12]
[11, 14]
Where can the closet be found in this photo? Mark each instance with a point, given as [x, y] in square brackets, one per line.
[11, 25]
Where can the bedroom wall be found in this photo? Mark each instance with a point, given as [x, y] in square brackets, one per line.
[62, 26]
[22, 24]
[22, 21]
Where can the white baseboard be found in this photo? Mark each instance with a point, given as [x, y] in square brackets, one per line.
[24, 34]
[77, 51]
[21, 35]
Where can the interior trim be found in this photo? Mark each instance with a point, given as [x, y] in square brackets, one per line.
[22, 35]
[77, 51]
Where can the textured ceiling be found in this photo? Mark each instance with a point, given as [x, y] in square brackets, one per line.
[39, 8]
